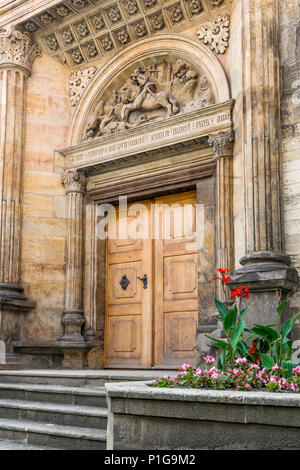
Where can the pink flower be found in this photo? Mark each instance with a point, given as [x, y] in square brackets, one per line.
[209, 360]
[241, 360]
[248, 386]
[185, 366]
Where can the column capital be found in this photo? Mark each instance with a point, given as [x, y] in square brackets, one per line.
[74, 181]
[222, 144]
[17, 49]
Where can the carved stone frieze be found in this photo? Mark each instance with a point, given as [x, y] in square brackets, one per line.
[17, 49]
[150, 93]
[78, 83]
[222, 144]
[216, 34]
[74, 181]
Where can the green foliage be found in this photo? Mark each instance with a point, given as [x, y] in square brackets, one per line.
[271, 347]
[234, 326]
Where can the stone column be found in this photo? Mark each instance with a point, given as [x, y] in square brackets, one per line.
[17, 53]
[73, 317]
[223, 151]
[266, 270]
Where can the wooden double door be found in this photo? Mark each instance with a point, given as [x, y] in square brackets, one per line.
[152, 284]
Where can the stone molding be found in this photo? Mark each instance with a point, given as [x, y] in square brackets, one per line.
[222, 144]
[74, 181]
[216, 34]
[17, 49]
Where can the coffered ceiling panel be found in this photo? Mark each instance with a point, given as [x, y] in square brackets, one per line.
[79, 32]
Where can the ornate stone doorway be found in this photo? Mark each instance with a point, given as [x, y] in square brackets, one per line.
[152, 284]
[150, 125]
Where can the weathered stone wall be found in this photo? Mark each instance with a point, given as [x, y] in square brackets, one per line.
[44, 200]
[290, 128]
[142, 417]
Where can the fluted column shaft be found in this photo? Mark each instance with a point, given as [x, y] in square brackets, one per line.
[223, 152]
[261, 128]
[16, 56]
[73, 317]
[12, 86]
[266, 270]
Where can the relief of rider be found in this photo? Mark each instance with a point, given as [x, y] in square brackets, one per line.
[137, 91]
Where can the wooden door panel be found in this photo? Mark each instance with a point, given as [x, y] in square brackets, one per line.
[133, 293]
[128, 329]
[176, 276]
[124, 339]
[181, 277]
[179, 333]
[130, 338]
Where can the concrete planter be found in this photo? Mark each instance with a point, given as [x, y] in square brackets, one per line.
[148, 418]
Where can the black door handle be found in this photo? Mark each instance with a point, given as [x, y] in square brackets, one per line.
[144, 280]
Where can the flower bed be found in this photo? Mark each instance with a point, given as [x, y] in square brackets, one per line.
[244, 377]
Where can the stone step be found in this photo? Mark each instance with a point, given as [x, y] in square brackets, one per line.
[53, 413]
[78, 378]
[52, 435]
[11, 445]
[81, 396]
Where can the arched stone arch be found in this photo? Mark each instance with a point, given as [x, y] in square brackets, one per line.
[182, 46]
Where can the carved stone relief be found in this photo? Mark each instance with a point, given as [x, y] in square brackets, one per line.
[159, 89]
[216, 34]
[78, 82]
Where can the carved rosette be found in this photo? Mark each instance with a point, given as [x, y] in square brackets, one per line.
[17, 49]
[222, 144]
[216, 34]
[74, 181]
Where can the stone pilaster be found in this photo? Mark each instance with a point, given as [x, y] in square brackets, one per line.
[73, 317]
[17, 53]
[266, 270]
[223, 151]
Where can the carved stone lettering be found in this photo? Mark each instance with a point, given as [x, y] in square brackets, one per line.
[151, 92]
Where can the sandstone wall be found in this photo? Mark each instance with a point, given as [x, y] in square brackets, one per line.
[44, 201]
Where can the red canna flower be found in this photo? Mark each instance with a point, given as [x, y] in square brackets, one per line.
[240, 292]
[253, 349]
[257, 359]
[225, 278]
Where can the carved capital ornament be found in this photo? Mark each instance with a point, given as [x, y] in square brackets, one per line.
[74, 181]
[17, 49]
[222, 144]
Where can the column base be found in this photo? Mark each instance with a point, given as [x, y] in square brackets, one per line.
[13, 304]
[270, 279]
[73, 321]
[12, 296]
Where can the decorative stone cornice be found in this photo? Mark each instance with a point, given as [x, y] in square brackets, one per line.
[222, 144]
[17, 49]
[216, 34]
[78, 82]
[74, 181]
